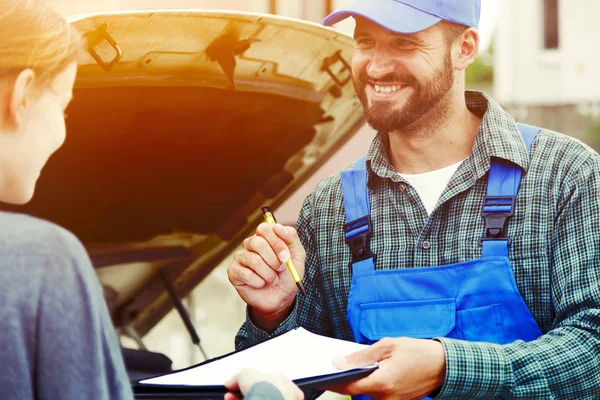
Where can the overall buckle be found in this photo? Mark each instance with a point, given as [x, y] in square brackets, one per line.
[496, 210]
[358, 237]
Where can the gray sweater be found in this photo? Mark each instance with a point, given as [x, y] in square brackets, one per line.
[264, 391]
[56, 334]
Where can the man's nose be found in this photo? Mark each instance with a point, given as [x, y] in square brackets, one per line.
[380, 65]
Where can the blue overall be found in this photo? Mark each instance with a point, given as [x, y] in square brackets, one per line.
[475, 300]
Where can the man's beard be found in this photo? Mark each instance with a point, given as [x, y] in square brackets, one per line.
[383, 115]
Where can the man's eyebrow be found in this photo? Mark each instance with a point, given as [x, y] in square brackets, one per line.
[413, 37]
[360, 33]
[410, 36]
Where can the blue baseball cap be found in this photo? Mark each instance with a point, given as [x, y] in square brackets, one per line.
[409, 16]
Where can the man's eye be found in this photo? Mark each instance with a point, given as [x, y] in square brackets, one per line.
[403, 43]
[364, 41]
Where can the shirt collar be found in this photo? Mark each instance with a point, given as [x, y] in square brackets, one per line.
[498, 136]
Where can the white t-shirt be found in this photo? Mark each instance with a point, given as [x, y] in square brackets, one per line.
[430, 185]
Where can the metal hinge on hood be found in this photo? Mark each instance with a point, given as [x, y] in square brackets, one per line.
[339, 79]
[225, 49]
[96, 37]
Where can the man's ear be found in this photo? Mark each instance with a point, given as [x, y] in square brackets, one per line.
[468, 43]
[19, 94]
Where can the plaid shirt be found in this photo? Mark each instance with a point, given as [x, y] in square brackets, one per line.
[555, 256]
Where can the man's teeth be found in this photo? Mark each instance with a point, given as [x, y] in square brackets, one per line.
[386, 89]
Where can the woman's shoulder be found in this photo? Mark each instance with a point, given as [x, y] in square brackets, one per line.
[36, 257]
[26, 237]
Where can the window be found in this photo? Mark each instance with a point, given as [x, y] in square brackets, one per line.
[550, 24]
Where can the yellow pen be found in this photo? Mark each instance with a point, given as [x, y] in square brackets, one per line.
[270, 218]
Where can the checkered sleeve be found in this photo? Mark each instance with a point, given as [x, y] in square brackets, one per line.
[250, 334]
[308, 312]
[563, 363]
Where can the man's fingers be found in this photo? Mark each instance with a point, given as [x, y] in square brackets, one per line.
[271, 233]
[365, 357]
[259, 245]
[286, 233]
[290, 236]
[366, 385]
[241, 275]
[349, 389]
[362, 386]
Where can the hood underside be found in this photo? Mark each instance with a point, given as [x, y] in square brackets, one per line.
[183, 124]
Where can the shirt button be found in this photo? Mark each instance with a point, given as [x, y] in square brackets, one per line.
[403, 188]
[426, 245]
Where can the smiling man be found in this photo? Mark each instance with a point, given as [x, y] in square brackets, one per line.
[464, 247]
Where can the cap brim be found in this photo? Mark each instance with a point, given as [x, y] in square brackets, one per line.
[394, 16]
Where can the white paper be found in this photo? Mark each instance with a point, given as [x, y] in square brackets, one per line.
[297, 354]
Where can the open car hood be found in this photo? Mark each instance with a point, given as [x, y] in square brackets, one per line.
[183, 124]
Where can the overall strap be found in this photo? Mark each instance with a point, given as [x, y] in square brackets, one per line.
[528, 132]
[358, 228]
[499, 205]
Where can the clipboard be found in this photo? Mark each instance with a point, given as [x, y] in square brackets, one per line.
[154, 392]
[169, 385]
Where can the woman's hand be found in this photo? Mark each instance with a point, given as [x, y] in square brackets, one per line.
[247, 378]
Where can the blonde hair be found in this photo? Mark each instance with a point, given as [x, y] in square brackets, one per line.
[33, 35]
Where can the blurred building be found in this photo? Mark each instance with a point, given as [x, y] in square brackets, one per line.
[546, 63]
[312, 10]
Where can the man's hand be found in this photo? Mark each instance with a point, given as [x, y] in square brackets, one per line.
[408, 369]
[260, 276]
[247, 378]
